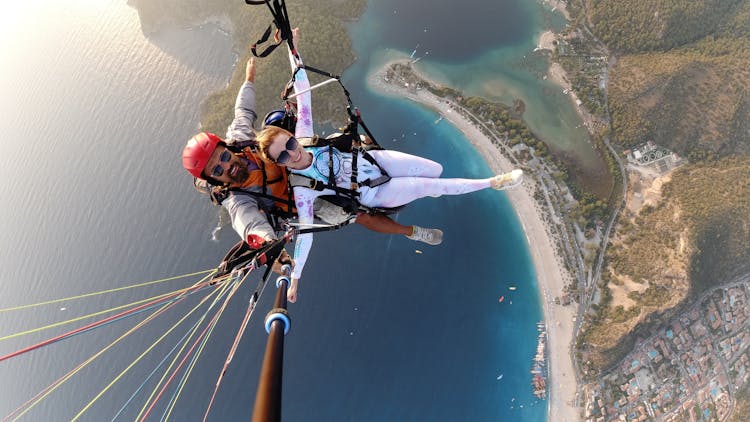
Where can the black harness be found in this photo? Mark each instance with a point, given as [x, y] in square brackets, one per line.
[349, 141]
[343, 197]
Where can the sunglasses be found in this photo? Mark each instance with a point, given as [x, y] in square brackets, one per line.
[291, 145]
[223, 158]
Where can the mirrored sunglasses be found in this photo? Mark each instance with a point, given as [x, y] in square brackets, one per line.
[291, 145]
[223, 158]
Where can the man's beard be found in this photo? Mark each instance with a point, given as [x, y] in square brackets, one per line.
[241, 174]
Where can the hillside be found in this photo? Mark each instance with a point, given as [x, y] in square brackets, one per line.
[656, 25]
[695, 237]
[694, 100]
[682, 76]
[317, 42]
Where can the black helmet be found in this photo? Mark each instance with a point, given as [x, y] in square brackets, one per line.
[280, 118]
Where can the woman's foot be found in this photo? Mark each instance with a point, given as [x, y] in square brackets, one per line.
[507, 180]
[429, 236]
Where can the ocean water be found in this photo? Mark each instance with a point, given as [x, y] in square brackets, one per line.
[95, 115]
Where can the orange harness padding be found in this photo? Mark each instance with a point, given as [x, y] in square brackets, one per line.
[276, 178]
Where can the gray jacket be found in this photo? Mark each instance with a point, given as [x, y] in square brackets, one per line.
[248, 213]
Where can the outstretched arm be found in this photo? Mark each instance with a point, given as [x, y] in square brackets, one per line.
[241, 128]
[304, 101]
[303, 199]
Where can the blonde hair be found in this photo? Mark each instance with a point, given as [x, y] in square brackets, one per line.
[266, 136]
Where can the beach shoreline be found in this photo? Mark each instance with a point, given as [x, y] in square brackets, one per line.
[550, 272]
[558, 76]
[558, 5]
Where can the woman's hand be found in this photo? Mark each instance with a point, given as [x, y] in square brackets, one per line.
[291, 291]
[295, 37]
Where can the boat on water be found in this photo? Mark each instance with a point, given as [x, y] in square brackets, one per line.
[539, 364]
[512, 288]
[540, 386]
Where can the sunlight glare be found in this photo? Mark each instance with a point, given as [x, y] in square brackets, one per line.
[17, 14]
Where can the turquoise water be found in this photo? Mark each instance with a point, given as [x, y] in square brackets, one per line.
[487, 53]
[95, 116]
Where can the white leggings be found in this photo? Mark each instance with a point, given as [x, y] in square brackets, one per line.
[415, 177]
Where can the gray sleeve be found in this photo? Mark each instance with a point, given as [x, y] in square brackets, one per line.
[241, 128]
[246, 217]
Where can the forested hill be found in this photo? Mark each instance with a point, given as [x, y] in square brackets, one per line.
[682, 77]
[324, 43]
[655, 25]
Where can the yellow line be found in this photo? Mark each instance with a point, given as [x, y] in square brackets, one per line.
[171, 365]
[95, 356]
[49, 302]
[145, 352]
[117, 308]
[199, 352]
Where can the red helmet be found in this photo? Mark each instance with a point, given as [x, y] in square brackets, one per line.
[197, 152]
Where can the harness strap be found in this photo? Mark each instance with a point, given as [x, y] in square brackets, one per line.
[371, 183]
[353, 180]
[281, 21]
[384, 177]
[286, 202]
[308, 182]
[289, 193]
[318, 185]
[329, 227]
[331, 176]
[265, 176]
[268, 50]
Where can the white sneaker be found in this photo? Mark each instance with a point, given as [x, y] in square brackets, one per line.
[428, 236]
[507, 180]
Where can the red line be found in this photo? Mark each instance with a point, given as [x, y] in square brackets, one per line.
[211, 323]
[82, 364]
[96, 323]
[228, 360]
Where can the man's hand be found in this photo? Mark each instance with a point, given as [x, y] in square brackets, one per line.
[250, 70]
[284, 258]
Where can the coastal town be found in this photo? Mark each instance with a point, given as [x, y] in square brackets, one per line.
[691, 367]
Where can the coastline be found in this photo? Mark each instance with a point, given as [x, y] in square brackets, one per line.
[560, 6]
[550, 272]
[556, 72]
[558, 76]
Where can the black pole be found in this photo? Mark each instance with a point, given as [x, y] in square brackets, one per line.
[268, 397]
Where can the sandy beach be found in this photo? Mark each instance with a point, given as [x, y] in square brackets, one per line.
[559, 76]
[547, 41]
[556, 73]
[550, 272]
[559, 6]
